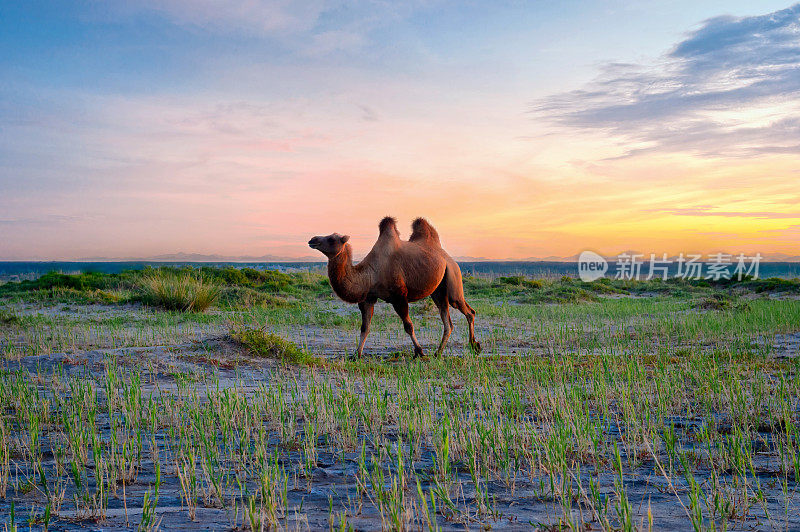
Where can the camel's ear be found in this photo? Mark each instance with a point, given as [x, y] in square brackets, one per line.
[344, 238]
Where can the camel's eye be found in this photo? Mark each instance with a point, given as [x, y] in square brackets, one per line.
[330, 240]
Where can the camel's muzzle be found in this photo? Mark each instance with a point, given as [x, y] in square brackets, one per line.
[314, 243]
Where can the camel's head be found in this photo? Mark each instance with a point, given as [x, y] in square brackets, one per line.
[329, 245]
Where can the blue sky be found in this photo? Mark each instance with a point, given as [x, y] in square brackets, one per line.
[241, 127]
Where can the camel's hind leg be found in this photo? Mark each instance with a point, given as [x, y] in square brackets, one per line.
[401, 307]
[443, 304]
[455, 294]
[463, 307]
[366, 308]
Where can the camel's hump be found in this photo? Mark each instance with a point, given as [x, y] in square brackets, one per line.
[421, 229]
[388, 224]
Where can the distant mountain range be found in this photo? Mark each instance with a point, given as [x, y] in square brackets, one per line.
[200, 257]
[781, 257]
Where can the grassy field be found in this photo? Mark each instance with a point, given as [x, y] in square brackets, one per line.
[225, 398]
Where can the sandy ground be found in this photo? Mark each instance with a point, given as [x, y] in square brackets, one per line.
[207, 350]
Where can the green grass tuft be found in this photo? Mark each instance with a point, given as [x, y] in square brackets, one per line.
[263, 344]
[7, 318]
[184, 292]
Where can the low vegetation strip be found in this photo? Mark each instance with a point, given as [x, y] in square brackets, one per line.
[250, 287]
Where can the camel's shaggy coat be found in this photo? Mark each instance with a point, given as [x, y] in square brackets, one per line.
[398, 272]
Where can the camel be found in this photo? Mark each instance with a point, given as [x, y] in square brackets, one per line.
[398, 272]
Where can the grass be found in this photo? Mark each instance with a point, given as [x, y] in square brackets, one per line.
[183, 292]
[245, 297]
[572, 433]
[243, 288]
[7, 318]
[238, 288]
[263, 344]
[608, 405]
[722, 302]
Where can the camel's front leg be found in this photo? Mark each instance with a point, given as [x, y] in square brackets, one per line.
[401, 307]
[366, 308]
[447, 324]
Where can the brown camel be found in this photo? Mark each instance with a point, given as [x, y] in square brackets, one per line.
[398, 272]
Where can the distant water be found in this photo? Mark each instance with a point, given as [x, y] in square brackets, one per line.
[15, 271]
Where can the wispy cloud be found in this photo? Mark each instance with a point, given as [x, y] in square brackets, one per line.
[256, 17]
[705, 210]
[729, 89]
[309, 27]
[49, 220]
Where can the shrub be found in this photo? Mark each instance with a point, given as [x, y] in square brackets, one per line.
[722, 302]
[298, 284]
[268, 345]
[602, 286]
[242, 296]
[559, 293]
[773, 284]
[183, 292]
[520, 281]
[716, 302]
[8, 318]
[84, 296]
[56, 280]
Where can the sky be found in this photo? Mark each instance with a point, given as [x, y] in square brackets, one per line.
[519, 129]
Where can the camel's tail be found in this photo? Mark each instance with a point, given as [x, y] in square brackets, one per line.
[422, 230]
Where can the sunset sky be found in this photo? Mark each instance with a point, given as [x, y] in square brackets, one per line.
[520, 129]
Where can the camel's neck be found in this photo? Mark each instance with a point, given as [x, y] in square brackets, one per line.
[349, 282]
